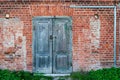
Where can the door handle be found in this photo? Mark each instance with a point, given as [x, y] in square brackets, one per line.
[51, 37]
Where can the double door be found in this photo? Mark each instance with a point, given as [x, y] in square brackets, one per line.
[52, 45]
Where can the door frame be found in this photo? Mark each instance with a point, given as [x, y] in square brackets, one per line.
[33, 37]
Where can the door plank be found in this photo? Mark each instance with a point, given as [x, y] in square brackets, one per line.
[62, 46]
[42, 45]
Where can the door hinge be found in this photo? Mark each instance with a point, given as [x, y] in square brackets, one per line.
[33, 27]
[70, 64]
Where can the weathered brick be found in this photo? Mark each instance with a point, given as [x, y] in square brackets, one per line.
[92, 38]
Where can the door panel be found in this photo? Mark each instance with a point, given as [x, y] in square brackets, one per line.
[42, 46]
[62, 46]
[52, 45]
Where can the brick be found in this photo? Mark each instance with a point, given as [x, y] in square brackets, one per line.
[92, 47]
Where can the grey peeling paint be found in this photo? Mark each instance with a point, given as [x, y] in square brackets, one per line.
[12, 30]
[95, 32]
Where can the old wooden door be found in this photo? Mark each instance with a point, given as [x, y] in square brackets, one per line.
[52, 45]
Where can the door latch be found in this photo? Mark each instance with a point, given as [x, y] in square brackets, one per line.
[51, 37]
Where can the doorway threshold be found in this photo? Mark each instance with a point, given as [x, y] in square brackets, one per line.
[56, 75]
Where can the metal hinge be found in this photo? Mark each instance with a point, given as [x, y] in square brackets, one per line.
[71, 64]
[33, 27]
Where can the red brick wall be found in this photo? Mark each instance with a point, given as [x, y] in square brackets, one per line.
[61, 0]
[92, 38]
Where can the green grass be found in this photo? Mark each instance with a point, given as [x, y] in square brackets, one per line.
[21, 75]
[101, 74]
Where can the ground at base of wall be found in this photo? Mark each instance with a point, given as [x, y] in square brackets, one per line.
[101, 74]
[62, 78]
